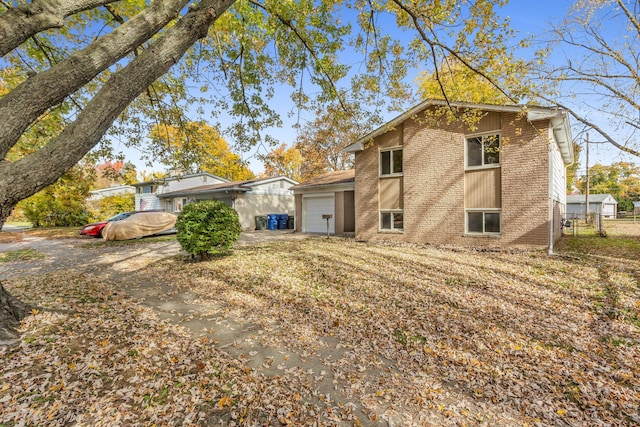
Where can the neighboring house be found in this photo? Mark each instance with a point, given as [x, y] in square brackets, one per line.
[603, 204]
[114, 190]
[250, 198]
[328, 194]
[149, 194]
[424, 178]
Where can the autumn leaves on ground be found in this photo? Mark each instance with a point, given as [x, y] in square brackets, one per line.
[408, 335]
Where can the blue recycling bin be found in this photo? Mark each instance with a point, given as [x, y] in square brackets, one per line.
[282, 221]
[272, 221]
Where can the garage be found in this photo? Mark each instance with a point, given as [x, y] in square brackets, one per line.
[328, 194]
[313, 207]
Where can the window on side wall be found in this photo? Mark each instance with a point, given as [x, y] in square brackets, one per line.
[147, 189]
[391, 162]
[483, 151]
[391, 220]
[483, 222]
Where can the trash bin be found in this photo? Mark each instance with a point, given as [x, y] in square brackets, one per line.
[282, 221]
[261, 222]
[290, 223]
[272, 221]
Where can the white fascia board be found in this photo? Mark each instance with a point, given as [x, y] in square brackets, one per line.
[327, 188]
[562, 134]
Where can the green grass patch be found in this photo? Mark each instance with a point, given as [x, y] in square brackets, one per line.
[605, 246]
[19, 224]
[21, 255]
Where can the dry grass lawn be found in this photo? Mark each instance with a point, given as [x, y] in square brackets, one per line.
[407, 334]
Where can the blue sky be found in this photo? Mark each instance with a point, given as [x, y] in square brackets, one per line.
[526, 16]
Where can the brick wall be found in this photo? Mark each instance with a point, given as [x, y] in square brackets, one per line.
[525, 183]
[366, 193]
[434, 186]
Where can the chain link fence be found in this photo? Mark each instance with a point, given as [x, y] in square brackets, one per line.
[577, 225]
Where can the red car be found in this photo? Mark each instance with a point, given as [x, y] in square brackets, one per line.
[95, 229]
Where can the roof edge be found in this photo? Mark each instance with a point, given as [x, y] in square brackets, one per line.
[177, 178]
[533, 114]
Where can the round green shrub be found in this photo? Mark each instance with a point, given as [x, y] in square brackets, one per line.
[207, 228]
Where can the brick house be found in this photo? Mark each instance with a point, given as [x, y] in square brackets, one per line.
[427, 178]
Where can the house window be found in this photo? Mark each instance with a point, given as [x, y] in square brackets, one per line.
[483, 222]
[391, 220]
[179, 204]
[147, 189]
[391, 162]
[483, 150]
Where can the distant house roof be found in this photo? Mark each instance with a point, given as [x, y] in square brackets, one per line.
[559, 122]
[175, 178]
[331, 178]
[235, 186]
[593, 198]
[113, 189]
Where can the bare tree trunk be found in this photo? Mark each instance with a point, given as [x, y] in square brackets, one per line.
[11, 312]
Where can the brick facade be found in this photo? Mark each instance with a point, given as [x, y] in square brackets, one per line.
[434, 185]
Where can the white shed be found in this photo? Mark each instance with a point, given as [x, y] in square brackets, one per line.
[603, 204]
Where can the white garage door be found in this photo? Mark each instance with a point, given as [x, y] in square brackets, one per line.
[313, 208]
[609, 210]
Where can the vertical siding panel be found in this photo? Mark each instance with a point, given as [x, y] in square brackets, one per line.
[391, 193]
[482, 188]
[349, 212]
[490, 122]
[390, 139]
[338, 212]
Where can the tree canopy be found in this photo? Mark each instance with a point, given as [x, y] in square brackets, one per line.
[285, 161]
[196, 146]
[620, 179]
[455, 82]
[140, 64]
[321, 141]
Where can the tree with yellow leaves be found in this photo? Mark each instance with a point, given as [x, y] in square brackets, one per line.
[455, 82]
[196, 146]
[283, 161]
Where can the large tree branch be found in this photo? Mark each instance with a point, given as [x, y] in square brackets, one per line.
[593, 126]
[433, 43]
[22, 22]
[30, 174]
[632, 17]
[318, 63]
[614, 92]
[602, 50]
[29, 100]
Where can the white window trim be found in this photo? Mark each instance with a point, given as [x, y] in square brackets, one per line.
[391, 175]
[483, 210]
[390, 230]
[489, 166]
